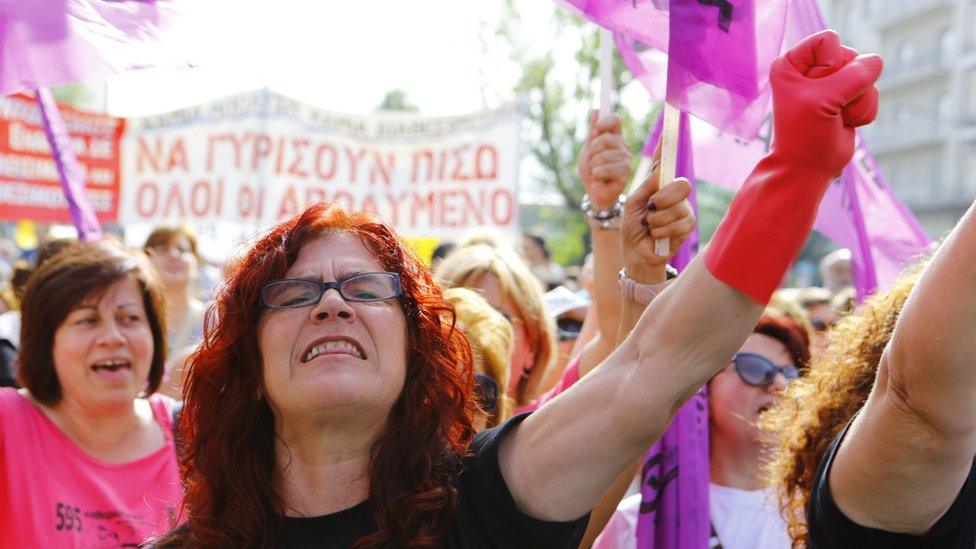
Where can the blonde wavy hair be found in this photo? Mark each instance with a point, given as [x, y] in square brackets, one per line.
[465, 265]
[815, 408]
[491, 338]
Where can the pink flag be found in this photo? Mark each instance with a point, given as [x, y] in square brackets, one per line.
[859, 212]
[49, 42]
[719, 68]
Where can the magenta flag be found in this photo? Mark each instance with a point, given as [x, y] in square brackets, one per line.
[674, 478]
[643, 20]
[718, 70]
[69, 171]
[49, 42]
[859, 211]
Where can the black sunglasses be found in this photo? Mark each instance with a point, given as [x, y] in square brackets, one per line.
[568, 328]
[759, 371]
[486, 391]
[288, 293]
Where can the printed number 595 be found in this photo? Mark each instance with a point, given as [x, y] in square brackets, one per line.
[69, 518]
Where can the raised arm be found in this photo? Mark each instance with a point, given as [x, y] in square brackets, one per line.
[669, 215]
[605, 169]
[563, 457]
[912, 445]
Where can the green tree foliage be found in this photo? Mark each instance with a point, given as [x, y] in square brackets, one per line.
[396, 100]
[558, 110]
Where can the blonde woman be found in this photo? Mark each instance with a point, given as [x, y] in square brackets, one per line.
[492, 340]
[509, 286]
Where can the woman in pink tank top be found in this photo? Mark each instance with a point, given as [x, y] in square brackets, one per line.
[87, 457]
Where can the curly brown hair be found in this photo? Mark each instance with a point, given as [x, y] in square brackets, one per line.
[815, 408]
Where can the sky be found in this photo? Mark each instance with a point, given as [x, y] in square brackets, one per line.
[343, 56]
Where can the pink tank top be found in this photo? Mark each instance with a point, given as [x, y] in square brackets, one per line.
[53, 494]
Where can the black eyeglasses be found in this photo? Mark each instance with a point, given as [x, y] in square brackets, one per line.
[486, 391]
[288, 293]
[759, 371]
[568, 329]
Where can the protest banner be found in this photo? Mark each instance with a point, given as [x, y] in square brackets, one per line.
[30, 186]
[252, 159]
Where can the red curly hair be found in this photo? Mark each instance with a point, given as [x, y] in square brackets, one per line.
[228, 457]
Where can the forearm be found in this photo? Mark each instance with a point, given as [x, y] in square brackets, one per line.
[631, 311]
[607, 262]
[610, 417]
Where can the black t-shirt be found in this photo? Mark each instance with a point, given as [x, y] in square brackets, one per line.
[830, 528]
[485, 516]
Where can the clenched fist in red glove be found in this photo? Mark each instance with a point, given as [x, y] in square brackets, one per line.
[821, 92]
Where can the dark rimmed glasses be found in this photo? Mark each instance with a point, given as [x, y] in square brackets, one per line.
[288, 293]
[486, 392]
[759, 371]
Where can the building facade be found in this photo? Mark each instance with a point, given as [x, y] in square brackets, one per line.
[925, 134]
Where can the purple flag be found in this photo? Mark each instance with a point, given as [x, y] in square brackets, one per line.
[69, 171]
[674, 479]
[719, 68]
[859, 211]
[49, 42]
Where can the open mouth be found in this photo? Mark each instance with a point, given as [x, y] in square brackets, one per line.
[112, 365]
[334, 346]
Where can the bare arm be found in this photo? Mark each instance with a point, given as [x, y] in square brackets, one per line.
[605, 169]
[689, 332]
[611, 416]
[919, 423]
[673, 216]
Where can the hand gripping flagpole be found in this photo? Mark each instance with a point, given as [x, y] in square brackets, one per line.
[669, 159]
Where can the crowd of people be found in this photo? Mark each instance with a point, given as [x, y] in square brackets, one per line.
[337, 390]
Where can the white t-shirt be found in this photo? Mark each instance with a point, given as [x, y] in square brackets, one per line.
[743, 519]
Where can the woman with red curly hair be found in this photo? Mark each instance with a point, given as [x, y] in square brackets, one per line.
[331, 402]
[334, 385]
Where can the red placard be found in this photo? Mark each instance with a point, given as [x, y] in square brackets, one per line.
[29, 184]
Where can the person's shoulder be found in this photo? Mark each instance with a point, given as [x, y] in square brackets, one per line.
[829, 527]
[486, 442]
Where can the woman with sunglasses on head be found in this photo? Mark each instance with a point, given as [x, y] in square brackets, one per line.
[332, 403]
[743, 515]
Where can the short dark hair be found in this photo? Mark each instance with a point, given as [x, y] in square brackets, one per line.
[64, 281]
[539, 240]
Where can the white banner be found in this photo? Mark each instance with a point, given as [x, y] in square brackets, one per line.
[256, 158]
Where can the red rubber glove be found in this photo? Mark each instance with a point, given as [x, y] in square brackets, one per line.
[821, 92]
